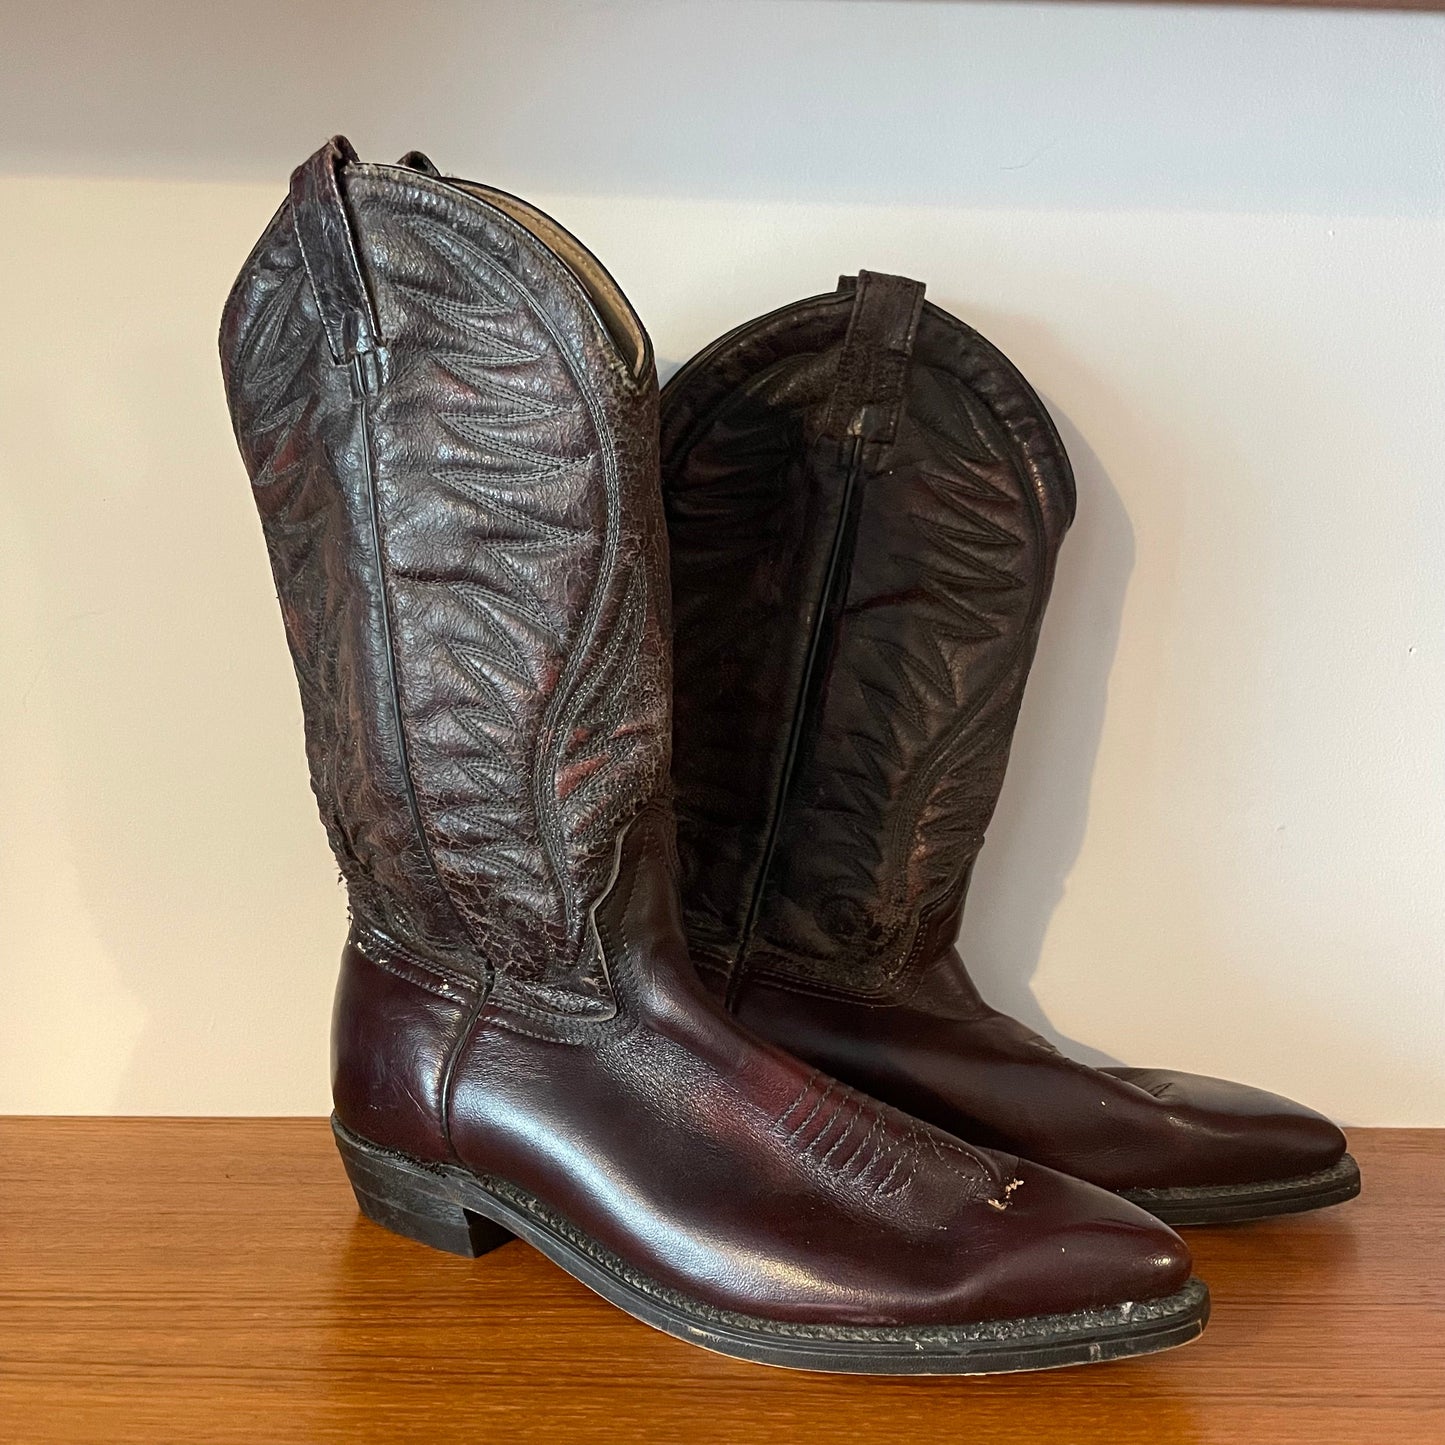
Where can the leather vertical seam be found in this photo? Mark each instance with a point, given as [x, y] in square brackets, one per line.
[801, 716]
[450, 1068]
[316, 190]
[874, 300]
[939, 760]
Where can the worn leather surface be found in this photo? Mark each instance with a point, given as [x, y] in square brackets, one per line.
[855, 622]
[468, 544]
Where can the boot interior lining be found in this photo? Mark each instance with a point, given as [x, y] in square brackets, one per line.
[612, 307]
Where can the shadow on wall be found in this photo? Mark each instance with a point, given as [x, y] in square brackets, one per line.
[1038, 830]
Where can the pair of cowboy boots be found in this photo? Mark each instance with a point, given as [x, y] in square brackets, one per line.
[450, 417]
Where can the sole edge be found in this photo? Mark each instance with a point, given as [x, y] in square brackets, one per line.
[1241, 1203]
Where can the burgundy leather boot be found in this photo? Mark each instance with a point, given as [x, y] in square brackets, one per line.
[865, 501]
[449, 414]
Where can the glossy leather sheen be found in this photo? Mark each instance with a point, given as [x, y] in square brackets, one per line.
[856, 616]
[993, 1081]
[456, 470]
[718, 1165]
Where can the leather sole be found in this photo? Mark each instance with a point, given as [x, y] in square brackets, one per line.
[470, 1214]
[1238, 1203]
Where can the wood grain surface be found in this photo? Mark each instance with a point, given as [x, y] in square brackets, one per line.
[196, 1281]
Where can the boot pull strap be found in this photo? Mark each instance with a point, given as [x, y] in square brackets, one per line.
[420, 161]
[873, 369]
[328, 248]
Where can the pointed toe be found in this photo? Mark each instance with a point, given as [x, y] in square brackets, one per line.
[1239, 1134]
[1077, 1247]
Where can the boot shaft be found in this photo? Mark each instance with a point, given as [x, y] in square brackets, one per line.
[865, 502]
[448, 412]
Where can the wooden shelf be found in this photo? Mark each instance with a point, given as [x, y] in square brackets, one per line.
[197, 1281]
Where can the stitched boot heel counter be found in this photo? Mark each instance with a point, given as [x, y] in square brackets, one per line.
[394, 1027]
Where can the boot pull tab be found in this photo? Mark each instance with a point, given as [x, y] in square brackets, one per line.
[873, 368]
[420, 161]
[328, 248]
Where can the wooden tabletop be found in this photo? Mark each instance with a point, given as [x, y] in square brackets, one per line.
[198, 1281]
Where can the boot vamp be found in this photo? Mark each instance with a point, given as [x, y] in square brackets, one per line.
[723, 1169]
[987, 1077]
[1258, 1134]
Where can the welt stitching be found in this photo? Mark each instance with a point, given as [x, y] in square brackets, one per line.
[1025, 1327]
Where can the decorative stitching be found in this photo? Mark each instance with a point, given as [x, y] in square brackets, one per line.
[1010, 426]
[386, 954]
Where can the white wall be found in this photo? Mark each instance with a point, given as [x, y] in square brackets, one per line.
[1212, 239]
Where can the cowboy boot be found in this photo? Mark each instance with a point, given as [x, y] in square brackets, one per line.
[448, 412]
[865, 501]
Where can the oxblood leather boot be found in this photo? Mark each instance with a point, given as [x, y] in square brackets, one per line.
[865, 500]
[448, 411]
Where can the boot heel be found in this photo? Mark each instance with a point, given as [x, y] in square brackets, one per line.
[415, 1202]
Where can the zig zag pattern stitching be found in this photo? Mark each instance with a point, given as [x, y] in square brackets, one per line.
[924, 721]
[819, 1121]
[524, 642]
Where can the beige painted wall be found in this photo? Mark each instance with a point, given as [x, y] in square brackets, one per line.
[1222, 843]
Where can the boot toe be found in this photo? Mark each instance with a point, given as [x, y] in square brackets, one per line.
[1072, 1246]
[1240, 1134]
